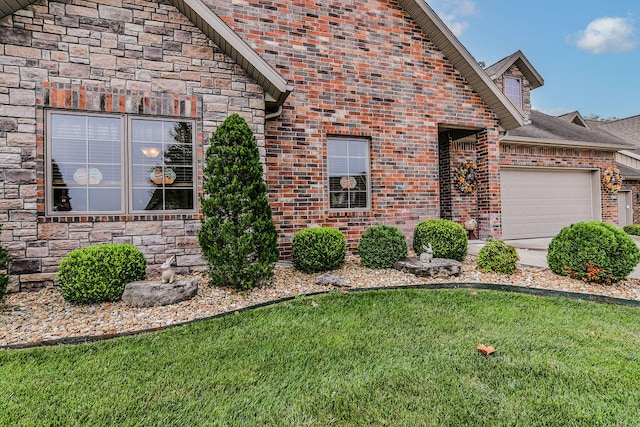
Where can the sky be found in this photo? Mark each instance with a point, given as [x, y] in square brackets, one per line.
[587, 51]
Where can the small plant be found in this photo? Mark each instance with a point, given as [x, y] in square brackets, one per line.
[593, 252]
[318, 249]
[100, 273]
[633, 229]
[448, 238]
[381, 246]
[497, 257]
[238, 237]
[4, 278]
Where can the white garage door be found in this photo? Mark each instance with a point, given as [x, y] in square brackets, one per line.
[540, 202]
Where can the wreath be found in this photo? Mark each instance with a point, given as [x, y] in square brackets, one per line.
[611, 180]
[464, 177]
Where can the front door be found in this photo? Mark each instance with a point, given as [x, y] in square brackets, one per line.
[625, 213]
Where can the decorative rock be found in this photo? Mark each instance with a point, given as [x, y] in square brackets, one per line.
[328, 279]
[148, 293]
[438, 267]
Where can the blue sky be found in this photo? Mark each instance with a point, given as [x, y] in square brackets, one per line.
[587, 51]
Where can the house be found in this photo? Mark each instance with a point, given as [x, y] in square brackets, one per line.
[628, 162]
[364, 114]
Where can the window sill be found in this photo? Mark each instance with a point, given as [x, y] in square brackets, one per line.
[120, 218]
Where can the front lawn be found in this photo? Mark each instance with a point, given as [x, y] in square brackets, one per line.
[372, 358]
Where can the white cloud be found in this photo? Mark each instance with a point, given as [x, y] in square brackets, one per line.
[454, 12]
[607, 35]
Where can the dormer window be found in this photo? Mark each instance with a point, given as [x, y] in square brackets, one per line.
[513, 90]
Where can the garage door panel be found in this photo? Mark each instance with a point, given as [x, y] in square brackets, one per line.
[539, 203]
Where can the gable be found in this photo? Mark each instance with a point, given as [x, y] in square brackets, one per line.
[276, 88]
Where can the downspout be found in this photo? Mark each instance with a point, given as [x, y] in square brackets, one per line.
[275, 114]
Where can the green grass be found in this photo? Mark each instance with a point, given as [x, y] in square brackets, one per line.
[376, 358]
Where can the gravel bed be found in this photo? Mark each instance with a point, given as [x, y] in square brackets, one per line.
[32, 317]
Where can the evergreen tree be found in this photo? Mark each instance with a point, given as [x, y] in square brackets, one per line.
[4, 279]
[238, 237]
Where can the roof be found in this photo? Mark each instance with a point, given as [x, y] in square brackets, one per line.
[275, 86]
[626, 129]
[498, 69]
[549, 130]
[576, 118]
[508, 115]
[628, 172]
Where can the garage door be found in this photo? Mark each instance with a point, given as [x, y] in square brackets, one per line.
[540, 202]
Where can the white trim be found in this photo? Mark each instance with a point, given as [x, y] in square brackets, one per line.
[521, 140]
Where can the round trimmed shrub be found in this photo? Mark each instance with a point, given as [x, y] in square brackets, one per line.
[497, 257]
[318, 249]
[593, 252]
[100, 273]
[381, 246]
[447, 238]
[633, 229]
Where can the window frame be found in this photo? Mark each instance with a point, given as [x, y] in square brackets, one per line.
[348, 139]
[126, 158]
[520, 95]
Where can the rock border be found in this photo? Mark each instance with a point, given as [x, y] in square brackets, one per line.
[601, 299]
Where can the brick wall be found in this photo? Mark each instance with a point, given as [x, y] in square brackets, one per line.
[141, 57]
[360, 68]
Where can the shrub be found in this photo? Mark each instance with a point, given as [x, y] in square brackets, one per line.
[497, 257]
[318, 249]
[633, 229]
[100, 273]
[4, 278]
[381, 246]
[448, 239]
[593, 252]
[238, 237]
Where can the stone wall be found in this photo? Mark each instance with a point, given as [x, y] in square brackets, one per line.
[141, 57]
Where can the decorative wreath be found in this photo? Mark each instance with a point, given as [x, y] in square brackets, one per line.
[611, 180]
[464, 177]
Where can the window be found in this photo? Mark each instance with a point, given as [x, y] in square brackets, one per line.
[348, 166]
[513, 90]
[108, 164]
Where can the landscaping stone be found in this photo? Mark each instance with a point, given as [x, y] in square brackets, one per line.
[438, 267]
[151, 293]
[331, 279]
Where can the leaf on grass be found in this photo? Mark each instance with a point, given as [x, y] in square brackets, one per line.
[314, 304]
[344, 292]
[474, 293]
[594, 333]
[485, 350]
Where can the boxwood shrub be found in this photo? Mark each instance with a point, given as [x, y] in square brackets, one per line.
[633, 229]
[318, 249]
[100, 273]
[496, 256]
[593, 252]
[448, 238]
[381, 246]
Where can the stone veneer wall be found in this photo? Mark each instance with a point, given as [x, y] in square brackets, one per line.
[141, 57]
[361, 69]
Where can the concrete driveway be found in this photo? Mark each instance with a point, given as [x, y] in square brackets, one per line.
[533, 252]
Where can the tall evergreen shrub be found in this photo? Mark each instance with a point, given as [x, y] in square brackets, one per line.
[238, 237]
[4, 279]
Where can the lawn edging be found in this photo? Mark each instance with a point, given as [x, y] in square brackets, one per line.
[601, 299]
